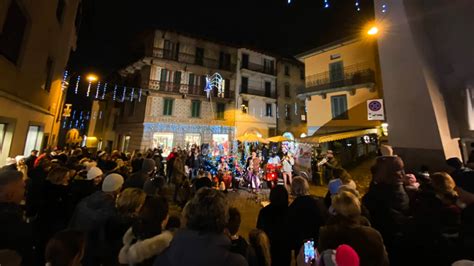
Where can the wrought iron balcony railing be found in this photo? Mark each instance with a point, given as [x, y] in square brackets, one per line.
[259, 68]
[176, 88]
[259, 92]
[357, 74]
[191, 59]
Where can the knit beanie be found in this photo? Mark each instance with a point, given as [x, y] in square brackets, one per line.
[148, 165]
[94, 172]
[346, 256]
[112, 182]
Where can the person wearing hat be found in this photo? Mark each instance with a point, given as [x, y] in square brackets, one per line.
[92, 214]
[138, 179]
[15, 233]
[86, 183]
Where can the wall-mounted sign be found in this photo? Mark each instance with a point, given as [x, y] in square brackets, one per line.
[67, 110]
[375, 110]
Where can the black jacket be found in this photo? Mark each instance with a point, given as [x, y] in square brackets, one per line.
[136, 180]
[273, 220]
[306, 214]
[192, 248]
[15, 233]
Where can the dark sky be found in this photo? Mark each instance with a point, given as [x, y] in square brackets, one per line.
[109, 28]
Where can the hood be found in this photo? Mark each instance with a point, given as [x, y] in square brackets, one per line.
[93, 211]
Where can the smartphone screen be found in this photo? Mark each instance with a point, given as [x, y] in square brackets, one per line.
[309, 253]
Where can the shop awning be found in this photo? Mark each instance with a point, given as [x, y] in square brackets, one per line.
[338, 136]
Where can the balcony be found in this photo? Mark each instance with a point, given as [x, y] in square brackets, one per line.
[176, 88]
[352, 77]
[259, 68]
[191, 59]
[258, 92]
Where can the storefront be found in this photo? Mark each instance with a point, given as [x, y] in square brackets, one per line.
[166, 136]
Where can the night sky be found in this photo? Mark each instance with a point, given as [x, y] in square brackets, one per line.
[109, 27]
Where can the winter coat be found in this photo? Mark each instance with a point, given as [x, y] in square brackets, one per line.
[34, 186]
[91, 216]
[15, 233]
[365, 240]
[81, 188]
[137, 251]
[193, 248]
[115, 228]
[54, 212]
[178, 173]
[388, 206]
[274, 221]
[306, 214]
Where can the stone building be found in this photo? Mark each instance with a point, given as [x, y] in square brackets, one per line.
[256, 93]
[36, 38]
[177, 110]
[291, 110]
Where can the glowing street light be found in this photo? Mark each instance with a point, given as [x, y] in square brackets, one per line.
[91, 78]
[373, 31]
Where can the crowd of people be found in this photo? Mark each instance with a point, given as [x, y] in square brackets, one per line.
[72, 207]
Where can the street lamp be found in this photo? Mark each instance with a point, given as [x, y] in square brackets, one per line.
[91, 78]
[374, 30]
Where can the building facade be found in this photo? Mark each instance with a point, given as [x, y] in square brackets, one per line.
[340, 78]
[427, 70]
[291, 110]
[35, 42]
[177, 111]
[255, 93]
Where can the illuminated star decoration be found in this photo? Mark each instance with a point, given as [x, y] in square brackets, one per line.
[326, 3]
[357, 5]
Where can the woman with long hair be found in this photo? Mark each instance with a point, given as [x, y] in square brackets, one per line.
[261, 245]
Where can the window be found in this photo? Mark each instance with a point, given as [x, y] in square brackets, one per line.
[339, 107]
[288, 112]
[224, 61]
[245, 106]
[177, 80]
[192, 138]
[195, 108]
[168, 107]
[191, 80]
[287, 90]
[336, 71]
[171, 50]
[268, 66]
[287, 70]
[302, 76]
[245, 85]
[163, 141]
[268, 89]
[49, 74]
[199, 60]
[60, 10]
[269, 109]
[245, 61]
[272, 132]
[12, 34]
[33, 139]
[220, 110]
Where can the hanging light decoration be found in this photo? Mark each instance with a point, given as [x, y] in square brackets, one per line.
[97, 90]
[131, 94]
[115, 93]
[326, 3]
[140, 95]
[357, 5]
[77, 84]
[105, 90]
[124, 92]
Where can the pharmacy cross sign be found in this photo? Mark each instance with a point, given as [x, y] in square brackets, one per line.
[215, 81]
